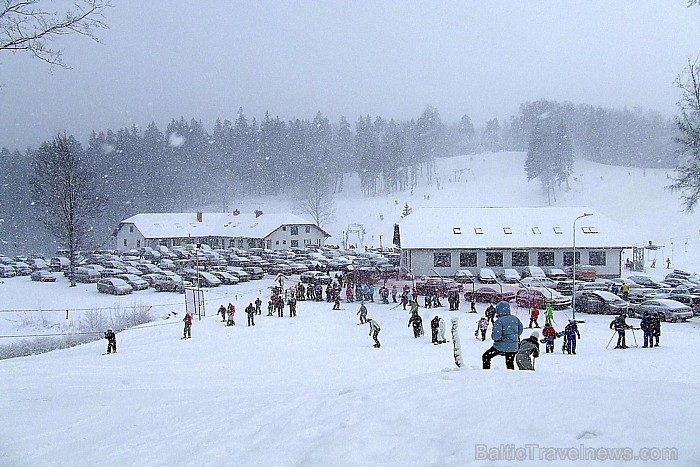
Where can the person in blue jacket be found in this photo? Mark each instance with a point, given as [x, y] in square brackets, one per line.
[506, 337]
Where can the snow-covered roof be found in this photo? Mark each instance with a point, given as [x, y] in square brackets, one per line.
[185, 224]
[497, 227]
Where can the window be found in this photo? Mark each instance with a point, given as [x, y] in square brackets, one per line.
[536, 230]
[478, 230]
[520, 258]
[131, 229]
[507, 230]
[545, 258]
[442, 260]
[308, 229]
[125, 242]
[596, 258]
[277, 242]
[307, 241]
[294, 230]
[557, 230]
[284, 242]
[569, 258]
[138, 243]
[589, 230]
[467, 259]
[494, 258]
[456, 230]
[294, 243]
[284, 228]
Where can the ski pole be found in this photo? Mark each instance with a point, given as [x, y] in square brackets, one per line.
[635, 338]
[611, 338]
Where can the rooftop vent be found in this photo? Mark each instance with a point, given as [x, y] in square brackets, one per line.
[478, 230]
[456, 230]
[536, 230]
[507, 230]
[589, 230]
[558, 231]
[258, 213]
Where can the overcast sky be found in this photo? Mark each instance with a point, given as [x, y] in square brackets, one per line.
[204, 59]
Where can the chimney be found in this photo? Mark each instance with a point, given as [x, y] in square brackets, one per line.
[258, 213]
[236, 212]
[199, 216]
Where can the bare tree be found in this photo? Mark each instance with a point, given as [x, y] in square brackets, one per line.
[687, 179]
[316, 200]
[65, 192]
[32, 26]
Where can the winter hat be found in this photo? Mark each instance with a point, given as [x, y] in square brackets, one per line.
[502, 309]
[535, 334]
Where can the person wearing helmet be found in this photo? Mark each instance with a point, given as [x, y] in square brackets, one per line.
[187, 332]
[571, 335]
[528, 351]
[111, 341]
[620, 326]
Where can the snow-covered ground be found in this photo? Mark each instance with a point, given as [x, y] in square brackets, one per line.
[312, 390]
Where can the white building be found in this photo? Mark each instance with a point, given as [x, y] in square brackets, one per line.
[442, 240]
[219, 230]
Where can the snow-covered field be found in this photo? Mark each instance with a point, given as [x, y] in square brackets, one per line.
[312, 390]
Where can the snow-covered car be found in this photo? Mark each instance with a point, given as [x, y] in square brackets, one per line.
[43, 275]
[59, 263]
[668, 310]
[7, 271]
[134, 281]
[315, 277]
[87, 275]
[488, 295]
[226, 278]
[533, 271]
[22, 268]
[540, 297]
[256, 272]
[464, 276]
[114, 286]
[556, 274]
[487, 276]
[204, 279]
[510, 276]
[534, 281]
[163, 283]
[600, 302]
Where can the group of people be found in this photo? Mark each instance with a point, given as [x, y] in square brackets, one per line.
[650, 325]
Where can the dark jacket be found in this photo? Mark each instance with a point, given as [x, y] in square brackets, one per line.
[435, 322]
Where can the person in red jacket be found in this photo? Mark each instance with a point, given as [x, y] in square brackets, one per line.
[187, 333]
[549, 335]
[534, 314]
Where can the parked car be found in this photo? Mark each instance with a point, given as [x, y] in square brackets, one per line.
[225, 278]
[22, 269]
[256, 272]
[540, 297]
[556, 274]
[533, 271]
[87, 275]
[667, 309]
[134, 281]
[59, 263]
[114, 286]
[464, 276]
[488, 295]
[510, 276]
[583, 273]
[600, 302]
[7, 271]
[487, 276]
[315, 277]
[535, 281]
[645, 281]
[691, 300]
[238, 272]
[205, 279]
[430, 284]
[163, 283]
[42, 275]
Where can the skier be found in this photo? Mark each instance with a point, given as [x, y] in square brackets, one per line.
[414, 307]
[668, 263]
[250, 311]
[473, 306]
[111, 340]
[620, 325]
[529, 347]
[270, 305]
[336, 302]
[362, 313]
[571, 334]
[394, 292]
[656, 327]
[187, 332]
[549, 335]
[417, 322]
[222, 311]
[404, 299]
[491, 313]
[374, 329]
[506, 336]
[258, 303]
[441, 332]
[646, 324]
[549, 314]
[434, 327]
[231, 312]
[348, 293]
[534, 314]
[292, 308]
[481, 326]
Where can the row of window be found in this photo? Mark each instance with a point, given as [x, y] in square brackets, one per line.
[468, 259]
[535, 230]
[295, 243]
[294, 229]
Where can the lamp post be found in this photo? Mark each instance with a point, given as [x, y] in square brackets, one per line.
[573, 294]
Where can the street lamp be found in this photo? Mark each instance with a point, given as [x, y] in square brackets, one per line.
[573, 294]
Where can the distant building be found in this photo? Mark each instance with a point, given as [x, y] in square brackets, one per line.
[442, 240]
[218, 230]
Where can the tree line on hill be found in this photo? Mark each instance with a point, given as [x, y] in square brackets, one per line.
[186, 166]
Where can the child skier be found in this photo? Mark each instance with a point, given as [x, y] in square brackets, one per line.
[231, 312]
[222, 311]
[363, 313]
[374, 332]
[529, 347]
[111, 341]
[481, 326]
[549, 335]
[434, 327]
[571, 334]
[187, 332]
[417, 322]
[534, 314]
